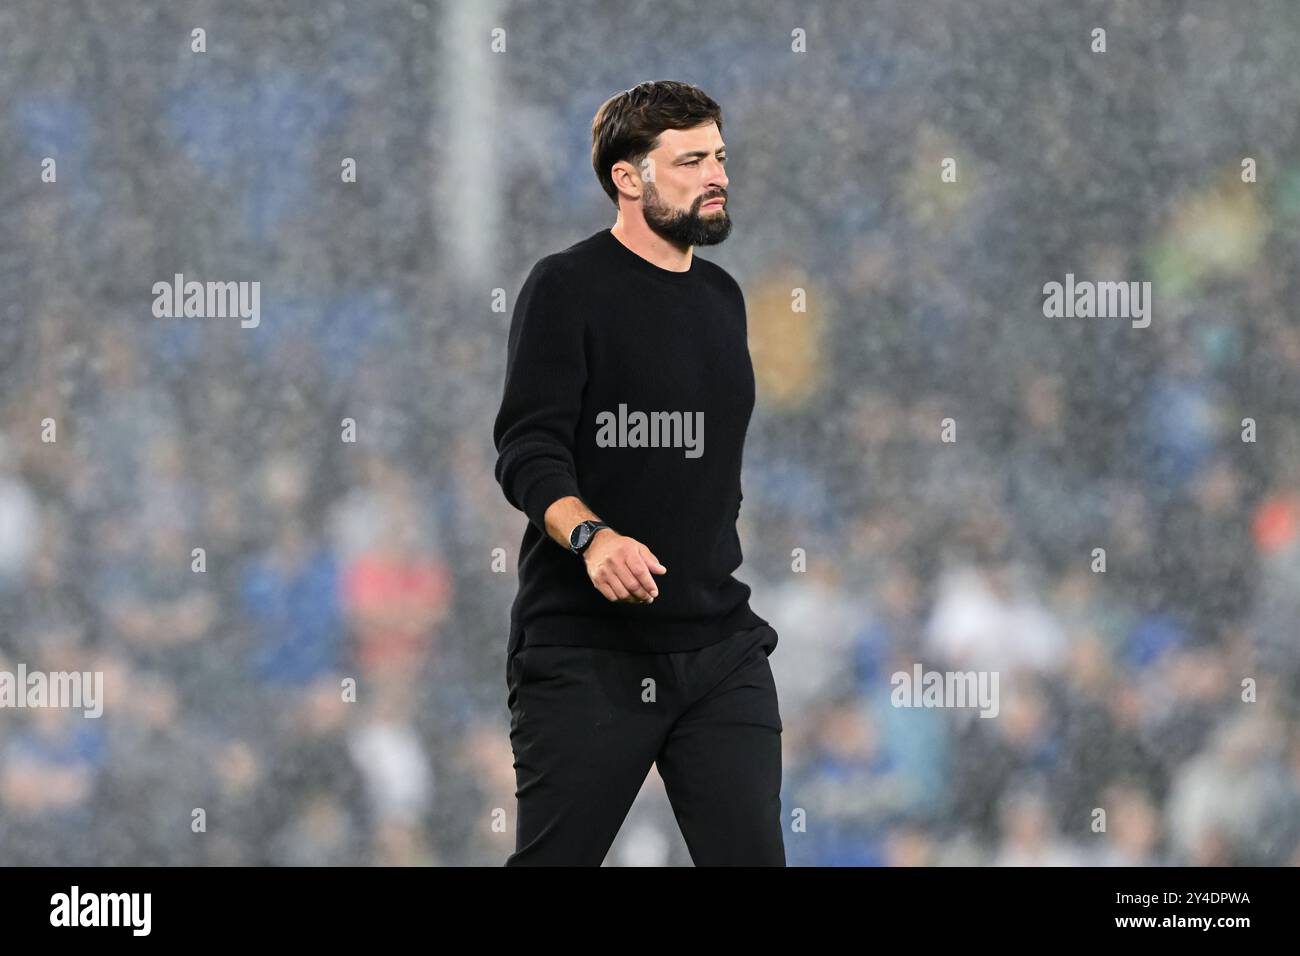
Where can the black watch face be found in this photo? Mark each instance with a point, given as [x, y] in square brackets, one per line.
[581, 535]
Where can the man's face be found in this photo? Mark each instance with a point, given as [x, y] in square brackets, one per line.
[686, 201]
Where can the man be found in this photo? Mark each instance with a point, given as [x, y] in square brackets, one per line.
[632, 644]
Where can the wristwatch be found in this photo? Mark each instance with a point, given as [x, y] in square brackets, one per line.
[583, 533]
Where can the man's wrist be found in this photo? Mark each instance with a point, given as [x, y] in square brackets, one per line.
[583, 533]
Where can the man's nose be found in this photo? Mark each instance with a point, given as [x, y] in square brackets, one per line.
[718, 180]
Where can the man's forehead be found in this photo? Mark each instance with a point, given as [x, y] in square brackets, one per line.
[704, 137]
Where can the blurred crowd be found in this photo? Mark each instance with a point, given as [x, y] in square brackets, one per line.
[303, 636]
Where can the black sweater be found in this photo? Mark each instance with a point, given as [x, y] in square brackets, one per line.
[599, 334]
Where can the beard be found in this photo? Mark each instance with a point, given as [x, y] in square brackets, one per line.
[685, 227]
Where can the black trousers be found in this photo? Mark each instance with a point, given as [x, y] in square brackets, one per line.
[587, 724]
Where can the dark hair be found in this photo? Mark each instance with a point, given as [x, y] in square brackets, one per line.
[628, 124]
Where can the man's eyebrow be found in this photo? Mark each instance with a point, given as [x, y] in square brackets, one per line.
[700, 152]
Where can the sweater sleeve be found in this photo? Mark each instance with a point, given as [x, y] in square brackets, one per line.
[537, 422]
[744, 317]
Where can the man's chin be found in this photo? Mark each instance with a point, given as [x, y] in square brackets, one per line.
[716, 234]
[706, 230]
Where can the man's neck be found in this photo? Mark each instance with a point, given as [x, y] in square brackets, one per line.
[649, 245]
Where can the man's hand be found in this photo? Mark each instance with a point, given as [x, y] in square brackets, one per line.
[620, 568]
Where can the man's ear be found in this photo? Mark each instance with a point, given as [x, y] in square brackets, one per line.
[624, 174]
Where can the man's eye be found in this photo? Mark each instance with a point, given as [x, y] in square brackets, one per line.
[693, 162]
